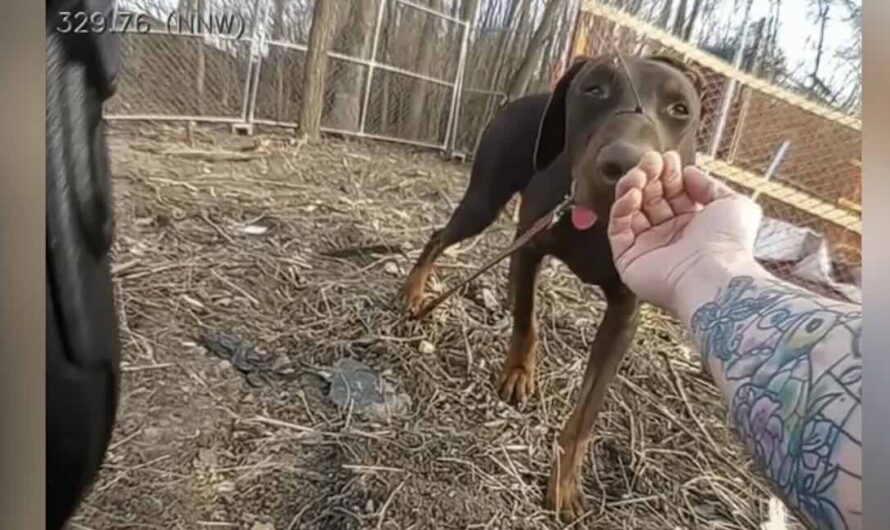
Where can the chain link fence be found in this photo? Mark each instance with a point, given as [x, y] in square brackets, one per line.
[394, 67]
[184, 67]
[179, 77]
[798, 159]
[434, 72]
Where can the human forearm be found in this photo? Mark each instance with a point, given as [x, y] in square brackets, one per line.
[788, 364]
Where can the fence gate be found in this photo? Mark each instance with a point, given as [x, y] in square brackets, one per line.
[394, 70]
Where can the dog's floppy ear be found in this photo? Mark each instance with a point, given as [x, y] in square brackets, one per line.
[689, 71]
[552, 130]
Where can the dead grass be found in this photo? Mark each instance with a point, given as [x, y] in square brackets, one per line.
[199, 445]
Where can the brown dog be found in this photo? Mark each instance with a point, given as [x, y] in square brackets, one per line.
[602, 116]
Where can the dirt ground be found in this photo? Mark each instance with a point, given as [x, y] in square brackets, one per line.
[299, 250]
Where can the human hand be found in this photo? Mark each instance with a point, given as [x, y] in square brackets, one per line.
[668, 226]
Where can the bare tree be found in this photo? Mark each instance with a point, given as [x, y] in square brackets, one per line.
[201, 70]
[635, 7]
[468, 9]
[354, 38]
[758, 43]
[693, 19]
[506, 19]
[384, 89]
[822, 9]
[424, 57]
[664, 19]
[851, 55]
[187, 8]
[508, 39]
[316, 67]
[278, 34]
[523, 75]
[522, 33]
[680, 19]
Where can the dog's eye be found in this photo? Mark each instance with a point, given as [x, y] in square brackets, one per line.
[596, 91]
[679, 110]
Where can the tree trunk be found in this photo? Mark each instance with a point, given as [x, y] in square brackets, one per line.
[823, 19]
[523, 30]
[277, 32]
[680, 21]
[424, 57]
[347, 86]
[468, 10]
[757, 47]
[501, 57]
[770, 49]
[189, 8]
[664, 19]
[201, 74]
[503, 46]
[521, 78]
[541, 72]
[384, 85]
[693, 19]
[316, 67]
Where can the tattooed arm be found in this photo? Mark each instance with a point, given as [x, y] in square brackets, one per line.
[788, 364]
[787, 361]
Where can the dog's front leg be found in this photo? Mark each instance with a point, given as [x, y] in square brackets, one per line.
[612, 341]
[518, 377]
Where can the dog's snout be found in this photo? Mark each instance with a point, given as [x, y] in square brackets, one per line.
[618, 158]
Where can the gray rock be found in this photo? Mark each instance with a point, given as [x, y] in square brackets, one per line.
[353, 382]
[489, 300]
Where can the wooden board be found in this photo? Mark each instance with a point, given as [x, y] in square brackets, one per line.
[844, 218]
[850, 205]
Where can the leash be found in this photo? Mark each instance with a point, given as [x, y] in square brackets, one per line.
[540, 225]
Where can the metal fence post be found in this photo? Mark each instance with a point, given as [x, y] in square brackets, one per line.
[457, 92]
[726, 106]
[773, 167]
[259, 62]
[371, 66]
[254, 63]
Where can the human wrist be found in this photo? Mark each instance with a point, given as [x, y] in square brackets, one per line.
[707, 275]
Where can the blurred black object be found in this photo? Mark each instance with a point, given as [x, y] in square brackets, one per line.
[82, 348]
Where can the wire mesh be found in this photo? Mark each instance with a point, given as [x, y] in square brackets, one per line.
[355, 27]
[414, 69]
[475, 111]
[484, 78]
[420, 42]
[416, 72]
[168, 75]
[279, 84]
[499, 44]
[344, 91]
[815, 189]
[408, 108]
[287, 21]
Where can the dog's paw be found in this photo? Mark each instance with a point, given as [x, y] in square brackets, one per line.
[413, 295]
[414, 302]
[517, 384]
[565, 497]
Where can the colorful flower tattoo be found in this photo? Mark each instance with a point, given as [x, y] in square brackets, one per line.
[793, 369]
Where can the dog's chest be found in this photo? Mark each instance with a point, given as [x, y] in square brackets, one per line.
[586, 253]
